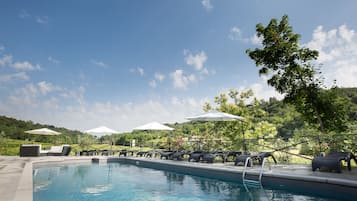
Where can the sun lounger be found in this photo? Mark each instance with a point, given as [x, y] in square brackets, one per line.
[125, 152]
[232, 155]
[63, 150]
[35, 150]
[211, 156]
[196, 156]
[178, 155]
[141, 153]
[254, 157]
[151, 153]
[333, 161]
[166, 154]
[30, 150]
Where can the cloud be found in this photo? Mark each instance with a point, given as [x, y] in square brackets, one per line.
[28, 103]
[2, 48]
[27, 66]
[160, 77]
[24, 14]
[236, 34]
[180, 80]
[99, 63]
[153, 84]
[337, 54]
[207, 5]
[15, 76]
[42, 19]
[53, 60]
[255, 40]
[197, 60]
[46, 87]
[138, 70]
[5, 60]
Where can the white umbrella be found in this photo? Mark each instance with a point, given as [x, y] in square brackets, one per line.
[153, 126]
[215, 116]
[43, 131]
[102, 131]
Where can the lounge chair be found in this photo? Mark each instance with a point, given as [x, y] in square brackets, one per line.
[232, 155]
[333, 161]
[63, 150]
[211, 156]
[141, 153]
[125, 152]
[166, 154]
[254, 157]
[35, 150]
[196, 156]
[178, 155]
[30, 150]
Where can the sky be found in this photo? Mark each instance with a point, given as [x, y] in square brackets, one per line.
[123, 63]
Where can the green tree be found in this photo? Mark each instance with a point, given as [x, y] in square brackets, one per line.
[292, 73]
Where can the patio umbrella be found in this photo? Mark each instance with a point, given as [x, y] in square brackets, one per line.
[217, 116]
[43, 131]
[154, 126]
[102, 131]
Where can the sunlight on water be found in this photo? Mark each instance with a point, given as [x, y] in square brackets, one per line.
[115, 181]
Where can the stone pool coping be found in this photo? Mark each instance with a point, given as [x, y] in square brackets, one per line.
[24, 189]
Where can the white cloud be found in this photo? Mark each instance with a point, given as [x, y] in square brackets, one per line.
[5, 60]
[180, 80]
[2, 48]
[255, 40]
[53, 60]
[138, 70]
[42, 19]
[75, 94]
[24, 14]
[153, 84]
[27, 104]
[236, 34]
[46, 87]
[15, 76]
[160, 77]
[338, 54]
[197, 60]
[207, 5]
[26, 66]
[99, 63]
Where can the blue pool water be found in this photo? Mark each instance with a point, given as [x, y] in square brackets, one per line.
[123, 182]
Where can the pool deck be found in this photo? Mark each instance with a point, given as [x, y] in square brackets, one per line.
[16, 172]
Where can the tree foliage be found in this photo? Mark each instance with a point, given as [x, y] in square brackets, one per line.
[293, 74]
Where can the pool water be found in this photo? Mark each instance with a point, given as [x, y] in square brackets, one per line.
[123, 182]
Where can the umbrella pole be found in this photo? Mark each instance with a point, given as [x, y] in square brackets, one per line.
[111, 143]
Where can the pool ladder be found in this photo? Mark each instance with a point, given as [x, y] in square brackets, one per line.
[251, 182]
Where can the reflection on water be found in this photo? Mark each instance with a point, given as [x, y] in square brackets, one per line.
[173, 177]
[115, 181]
[97, 189]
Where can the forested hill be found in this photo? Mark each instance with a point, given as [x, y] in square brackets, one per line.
[283, 116]
[14, 129]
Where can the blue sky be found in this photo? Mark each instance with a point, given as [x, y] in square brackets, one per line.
[122, 63]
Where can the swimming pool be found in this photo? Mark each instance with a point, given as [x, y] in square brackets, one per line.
[120, 181]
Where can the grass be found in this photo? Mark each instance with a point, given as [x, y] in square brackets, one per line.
[10, 147]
